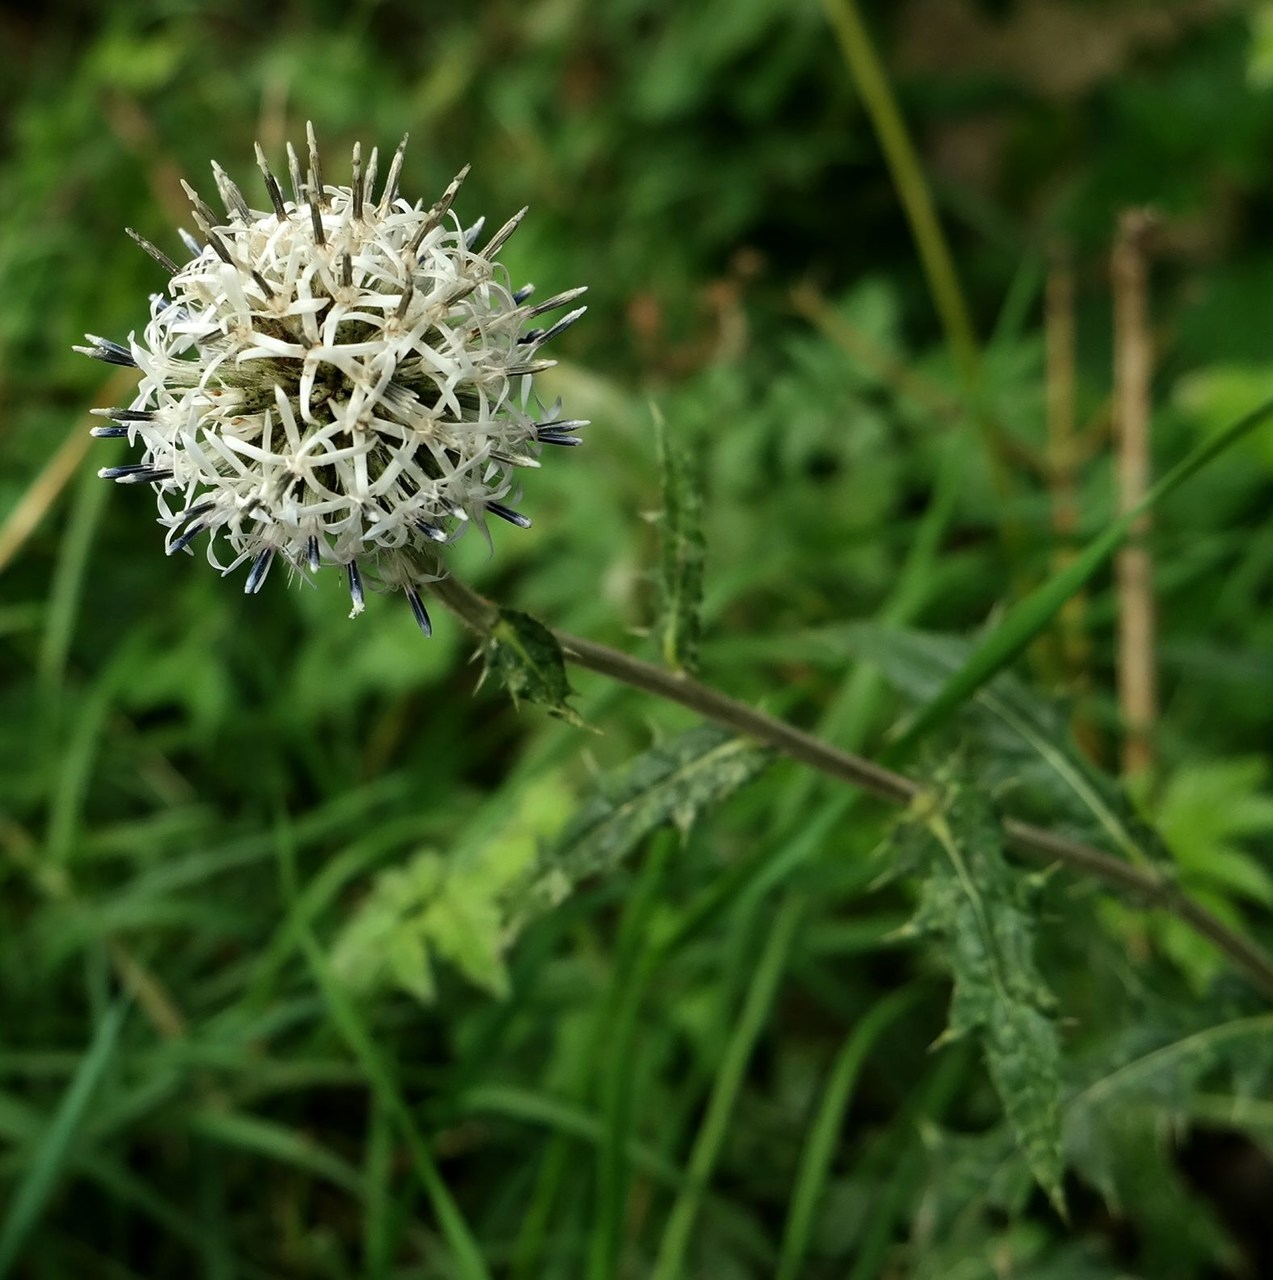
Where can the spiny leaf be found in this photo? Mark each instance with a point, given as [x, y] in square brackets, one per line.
[974, 900]
[673, 782]
[683, 548]
[1143, 1083]
[1138, 1090]
[527, 658]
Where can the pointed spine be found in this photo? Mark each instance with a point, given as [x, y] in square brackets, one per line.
[439, 210]
[235, 205]
[257, 574]
[107, 352]
[391, 180]
[155, 252]
[420, 612]
[356, 182]
[507, 513]
[271, 184]
[315, 167]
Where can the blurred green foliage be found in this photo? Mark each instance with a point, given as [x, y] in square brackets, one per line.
[677, 1034]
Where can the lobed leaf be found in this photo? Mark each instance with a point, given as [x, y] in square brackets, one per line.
[450, 906]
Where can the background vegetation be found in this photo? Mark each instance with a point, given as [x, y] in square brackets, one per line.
[262, 1012]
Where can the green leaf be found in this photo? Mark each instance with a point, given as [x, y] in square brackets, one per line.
[673, 782]
[974, 900]
[451, 906]
[1120, 1124]
[683, 547]
[1206, 811]
[1260, 55]
[527, 658]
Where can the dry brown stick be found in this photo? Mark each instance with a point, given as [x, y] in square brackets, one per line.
[45, 489]
[41, 494]
[1133, 363]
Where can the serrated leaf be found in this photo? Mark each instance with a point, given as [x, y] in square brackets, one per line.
[975, 901]
[683, 548]
[1119, 1127]
[528, 660]
[674, 782]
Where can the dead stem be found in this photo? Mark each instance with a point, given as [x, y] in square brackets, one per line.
[1062, 475]
[1133, 362]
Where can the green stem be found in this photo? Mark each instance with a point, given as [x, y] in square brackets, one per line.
[1037, 844]
[930, 241]
[908, 177]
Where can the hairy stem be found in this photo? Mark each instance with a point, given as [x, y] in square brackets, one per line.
[1154, 888]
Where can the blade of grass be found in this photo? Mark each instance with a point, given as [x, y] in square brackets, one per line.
[912, 190]
[275, 1142]
[52, 1152]
[23, 520]
[819, 1148]
[1027, 619]
[565, 1119]
[872, 83]
[711, 1136]
[77, 753]
[355, 1032]
[899, 1163]
[212, 1197]
[614, 1150]
[21, 1125]
[532, 1235]
[634, 965]
[378, 1220]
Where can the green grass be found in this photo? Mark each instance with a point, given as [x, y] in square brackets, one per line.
[235, 830]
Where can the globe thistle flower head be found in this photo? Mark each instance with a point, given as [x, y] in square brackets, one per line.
[343, 378]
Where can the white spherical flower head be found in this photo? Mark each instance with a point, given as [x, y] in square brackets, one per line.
[340, 379]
